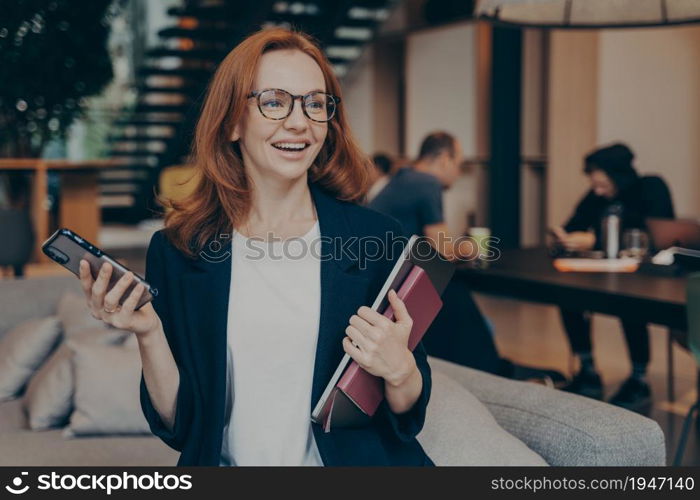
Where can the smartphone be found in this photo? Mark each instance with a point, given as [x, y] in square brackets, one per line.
[67, 248]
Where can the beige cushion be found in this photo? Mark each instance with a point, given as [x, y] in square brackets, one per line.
[22, 350]
[48, 400]
[460, 430]
[106, 399]
[74, 313]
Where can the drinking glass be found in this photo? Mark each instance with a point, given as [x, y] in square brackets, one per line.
[635, 244]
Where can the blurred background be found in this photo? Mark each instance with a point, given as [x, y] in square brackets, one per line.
[98, 105]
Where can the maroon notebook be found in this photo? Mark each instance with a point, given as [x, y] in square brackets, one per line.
[357, 394]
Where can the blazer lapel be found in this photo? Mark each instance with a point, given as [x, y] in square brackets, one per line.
[341, 288]
[205, 290]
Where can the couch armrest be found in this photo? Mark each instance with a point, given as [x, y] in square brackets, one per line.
[563, 428]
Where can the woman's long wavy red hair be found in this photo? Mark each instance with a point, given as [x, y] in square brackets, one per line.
[221, 199]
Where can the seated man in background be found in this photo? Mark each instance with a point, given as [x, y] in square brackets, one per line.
[413, 196]
[614, 183]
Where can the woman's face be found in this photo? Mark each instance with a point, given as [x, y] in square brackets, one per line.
[602, 184]
[260, 138]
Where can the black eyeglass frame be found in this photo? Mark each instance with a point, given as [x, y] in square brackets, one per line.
[258, 93]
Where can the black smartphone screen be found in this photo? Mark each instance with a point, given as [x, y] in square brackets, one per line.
[67, 248]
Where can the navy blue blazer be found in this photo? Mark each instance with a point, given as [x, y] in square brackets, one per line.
[192, 304]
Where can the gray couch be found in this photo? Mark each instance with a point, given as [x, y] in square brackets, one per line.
[560, 428]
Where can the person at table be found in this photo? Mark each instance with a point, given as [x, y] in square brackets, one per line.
[614, 181]
[413, 196]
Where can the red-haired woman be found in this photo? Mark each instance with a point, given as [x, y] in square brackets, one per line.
[247, 328]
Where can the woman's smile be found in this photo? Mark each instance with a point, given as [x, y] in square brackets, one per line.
[291, 150]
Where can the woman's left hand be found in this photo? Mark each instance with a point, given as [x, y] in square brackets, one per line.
[380, 345]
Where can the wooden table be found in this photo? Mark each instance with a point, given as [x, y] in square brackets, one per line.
[78, 209]
[528, 274]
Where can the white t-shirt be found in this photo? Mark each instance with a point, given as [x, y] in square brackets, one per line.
[273, 320]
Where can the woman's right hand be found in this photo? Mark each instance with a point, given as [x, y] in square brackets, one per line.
[104, 304]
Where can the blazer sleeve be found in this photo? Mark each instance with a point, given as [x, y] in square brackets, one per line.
[406, 426]
[157, 278]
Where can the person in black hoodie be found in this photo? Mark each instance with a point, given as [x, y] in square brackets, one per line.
[615, 184]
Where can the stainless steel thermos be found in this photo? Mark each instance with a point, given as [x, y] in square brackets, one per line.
[611, 226]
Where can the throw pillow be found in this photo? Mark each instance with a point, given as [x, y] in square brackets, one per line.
[48, 400]
[22, 350]
[107, 394]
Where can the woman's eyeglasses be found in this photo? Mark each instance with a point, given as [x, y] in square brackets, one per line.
[278, 104]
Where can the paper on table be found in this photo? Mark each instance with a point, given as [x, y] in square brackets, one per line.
[625, 265]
